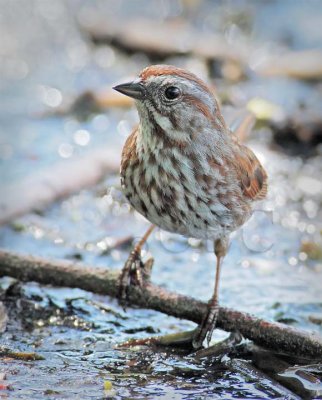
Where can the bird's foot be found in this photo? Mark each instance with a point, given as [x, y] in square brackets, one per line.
[134, 272]
[220, 348]
[206, 328]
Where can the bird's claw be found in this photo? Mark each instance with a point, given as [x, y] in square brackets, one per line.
[131, 275]
[220, 348]
[208, 325]
[134, 272]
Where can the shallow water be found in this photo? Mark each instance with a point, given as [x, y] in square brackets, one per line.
[265, 271]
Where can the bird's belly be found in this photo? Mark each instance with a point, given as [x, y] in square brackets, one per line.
[176, 209]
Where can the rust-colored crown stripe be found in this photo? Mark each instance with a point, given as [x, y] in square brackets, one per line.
[159, 70]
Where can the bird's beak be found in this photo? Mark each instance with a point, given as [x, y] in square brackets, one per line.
[134, 89]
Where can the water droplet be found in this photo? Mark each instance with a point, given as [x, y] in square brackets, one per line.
[310, 229]
[195, 256]
[245, 264]
[82, 137]
[311, 208]
[100, 123]
[65, 150]
[292, 261]
[301, 226]
[50, 96]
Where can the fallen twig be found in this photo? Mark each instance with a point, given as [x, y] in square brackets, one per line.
[61, 180]
[252, 373]
[169, 38]
[104, 281]
[3, 318]
[304, 64]
[19, 355]
[302, 379]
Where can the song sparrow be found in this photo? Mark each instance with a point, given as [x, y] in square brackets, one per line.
[184, 170]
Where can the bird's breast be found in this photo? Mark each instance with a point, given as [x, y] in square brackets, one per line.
[180, 194]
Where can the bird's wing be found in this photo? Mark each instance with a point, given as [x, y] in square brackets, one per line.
[129, 150]
[251, 174]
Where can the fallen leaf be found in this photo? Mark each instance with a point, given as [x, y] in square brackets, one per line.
[312, 249]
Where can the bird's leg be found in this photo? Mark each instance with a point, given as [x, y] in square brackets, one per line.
[206, 328]
[134, 271]
[209, 321]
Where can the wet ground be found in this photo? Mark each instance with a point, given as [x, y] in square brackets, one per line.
[269, 270]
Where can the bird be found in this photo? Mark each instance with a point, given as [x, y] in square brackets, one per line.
[185, 171]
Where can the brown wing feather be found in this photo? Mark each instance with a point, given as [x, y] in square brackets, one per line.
[251, 174]
[129, 150]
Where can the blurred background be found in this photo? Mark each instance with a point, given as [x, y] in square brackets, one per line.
[61, 133]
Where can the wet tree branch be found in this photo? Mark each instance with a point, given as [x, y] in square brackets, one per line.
[271, 335]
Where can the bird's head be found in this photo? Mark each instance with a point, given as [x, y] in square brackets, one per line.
[174, 100]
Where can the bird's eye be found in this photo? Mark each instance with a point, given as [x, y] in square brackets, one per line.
[172, 92]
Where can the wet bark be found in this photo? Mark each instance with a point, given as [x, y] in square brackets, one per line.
[271, 335]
